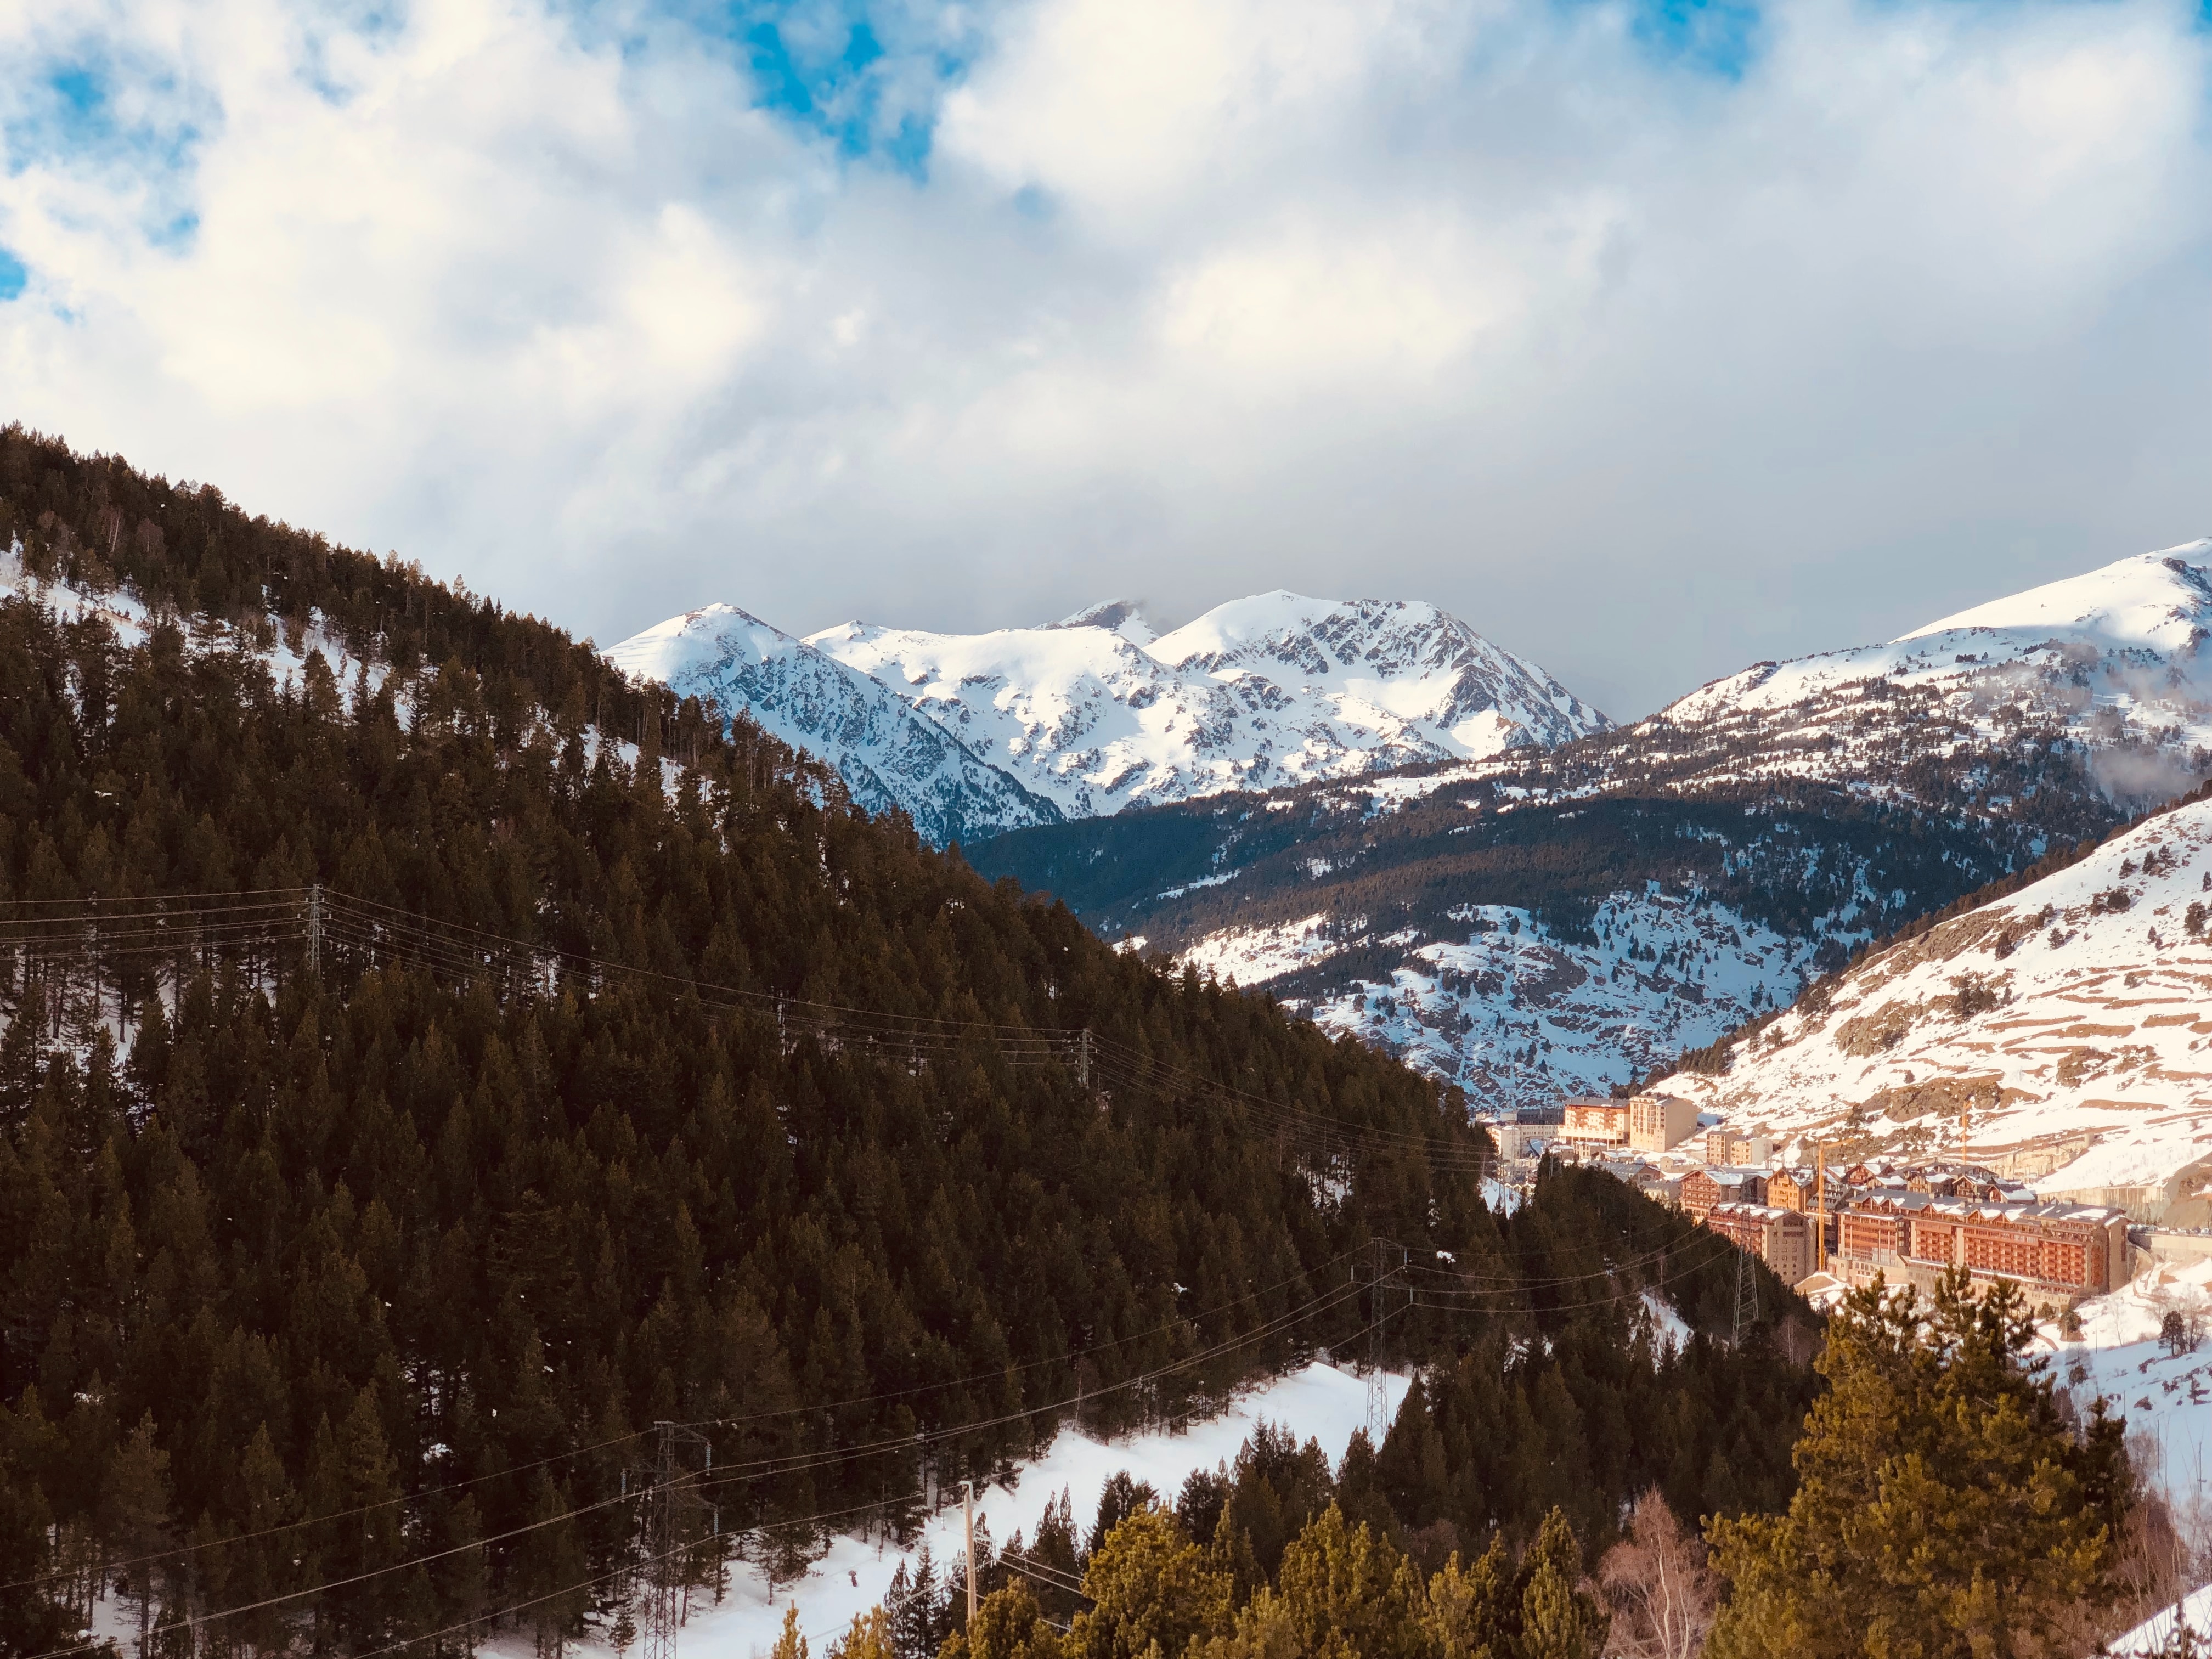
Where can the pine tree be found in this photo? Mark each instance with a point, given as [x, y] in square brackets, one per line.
[1474, 1611]
[1008, 1624]
[914, 1609]
[134, 1516]
[1944, 1506]
[869, 1637]
[1149, 1584]
[1342, 1591]
[1559, 1619]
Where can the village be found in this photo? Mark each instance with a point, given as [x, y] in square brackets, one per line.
[1824, 1230]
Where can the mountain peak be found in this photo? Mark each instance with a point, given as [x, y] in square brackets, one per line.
[2159, 601]
[889, 754]
[1123, 617]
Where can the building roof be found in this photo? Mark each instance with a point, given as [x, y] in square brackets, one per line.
[1976, 1209]
[1759, 1212]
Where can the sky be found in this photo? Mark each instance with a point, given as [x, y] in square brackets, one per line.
[1653, 337]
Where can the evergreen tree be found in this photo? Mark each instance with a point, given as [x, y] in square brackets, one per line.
[1559, 1619]
[868, 1638]
[1149, 1585]
[134, 1517]
[1343, 1594]
[1008, 1624]
[1945, 1507]
[916, 1610]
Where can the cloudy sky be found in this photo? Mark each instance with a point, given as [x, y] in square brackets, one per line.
[1652, 337]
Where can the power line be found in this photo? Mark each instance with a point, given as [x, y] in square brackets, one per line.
[311, 914]
[359, 1577]
[336, 1515]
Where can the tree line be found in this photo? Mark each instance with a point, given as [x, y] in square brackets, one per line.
[1948, 1503]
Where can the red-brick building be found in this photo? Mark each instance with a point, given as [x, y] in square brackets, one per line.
[2053, 1251]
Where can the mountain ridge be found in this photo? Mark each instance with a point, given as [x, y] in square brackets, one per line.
[1097, 713]
[1760, 829]
[890, 757]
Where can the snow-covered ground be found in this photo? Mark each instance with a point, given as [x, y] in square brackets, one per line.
[1253, 956]
[2166, 1397]
[1320, 1403]
[2067, 1023]
[2156, 1632]
[1514, 1004]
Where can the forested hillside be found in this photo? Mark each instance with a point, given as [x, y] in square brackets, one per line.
[387, 1228]
[344, 1263]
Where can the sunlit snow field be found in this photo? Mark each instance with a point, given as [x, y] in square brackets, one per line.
[1320, 1402]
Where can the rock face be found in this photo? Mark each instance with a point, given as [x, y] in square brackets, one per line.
[1097, 714]
[2062, 1034]
[889, 756]
[1694, 868]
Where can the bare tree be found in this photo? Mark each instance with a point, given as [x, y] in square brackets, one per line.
[1656, 1580]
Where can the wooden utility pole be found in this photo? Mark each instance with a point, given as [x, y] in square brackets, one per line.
[967, 1507]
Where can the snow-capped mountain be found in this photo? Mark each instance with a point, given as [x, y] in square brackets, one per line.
[888, 755]
[1566, 917]
[1098, 715]
[2058, 1034]
[2113, 660]
[2111, 667]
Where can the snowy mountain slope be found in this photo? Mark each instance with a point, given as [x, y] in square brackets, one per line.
[1515, 1011]
[2107, 674]
[888, 755]
[1530, 946]
[2062, 1034]
[1809, 805]
[1319, 1402]
[1273, 689]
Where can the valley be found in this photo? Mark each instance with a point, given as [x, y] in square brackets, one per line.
[434, 1047]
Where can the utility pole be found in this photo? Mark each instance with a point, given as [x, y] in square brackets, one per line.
[315, 931]
[667, 1500]
[968, 1522]
[1746, 1296]
[1378, 1390]
[1082, 1058]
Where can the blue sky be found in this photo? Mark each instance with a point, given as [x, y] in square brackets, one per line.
[1652, 337]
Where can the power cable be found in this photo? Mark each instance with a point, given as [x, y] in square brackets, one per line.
[340, 1515]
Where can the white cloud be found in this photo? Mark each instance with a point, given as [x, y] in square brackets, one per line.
[1647, 371]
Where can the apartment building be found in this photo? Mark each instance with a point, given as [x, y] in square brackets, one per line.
[1795, 1189]
[1596, 1123]
[1703, 1188]
[1659, 1123]
[2056, 1252]
[1783, 1239]
[1738, 1149]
